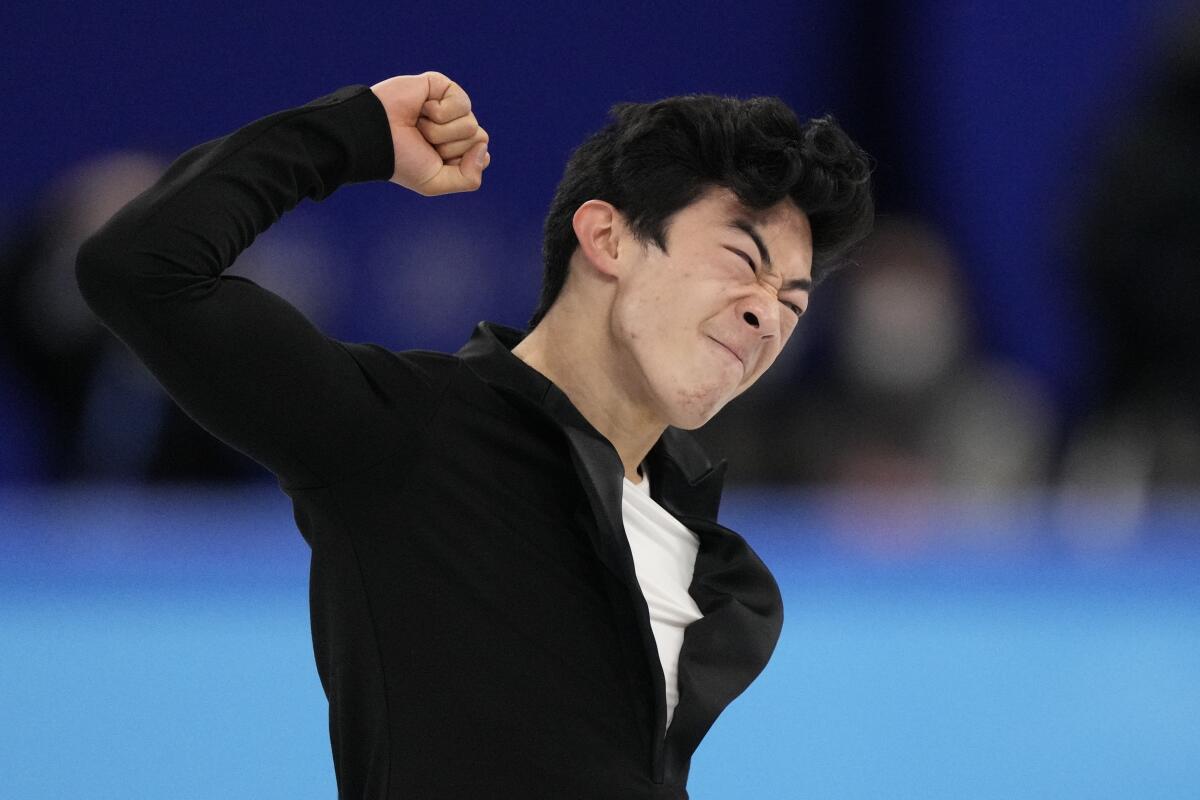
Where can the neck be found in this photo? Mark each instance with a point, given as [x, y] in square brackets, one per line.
[581, 361]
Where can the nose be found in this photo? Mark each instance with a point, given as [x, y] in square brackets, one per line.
[758, 310]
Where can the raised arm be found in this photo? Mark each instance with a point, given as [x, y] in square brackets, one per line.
[237, 358]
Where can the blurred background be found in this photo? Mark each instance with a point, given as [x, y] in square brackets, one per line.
[974, 471]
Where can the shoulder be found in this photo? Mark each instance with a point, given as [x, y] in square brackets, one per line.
[381, 357]
[402, 373]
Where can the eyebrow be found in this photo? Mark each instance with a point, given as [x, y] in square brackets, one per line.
[748, 228]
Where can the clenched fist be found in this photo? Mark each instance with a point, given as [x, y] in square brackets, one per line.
[438, 144]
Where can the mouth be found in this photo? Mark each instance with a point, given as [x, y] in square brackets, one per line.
[731, 352]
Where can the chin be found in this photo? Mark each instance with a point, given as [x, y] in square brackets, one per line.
[695, 415]
[690, 425]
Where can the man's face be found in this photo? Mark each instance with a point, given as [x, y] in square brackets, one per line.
[701, 322]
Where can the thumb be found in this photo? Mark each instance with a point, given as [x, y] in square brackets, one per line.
[463, 174]
[473, 163]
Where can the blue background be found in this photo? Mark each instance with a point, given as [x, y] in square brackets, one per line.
[983, 116]
[155, 642]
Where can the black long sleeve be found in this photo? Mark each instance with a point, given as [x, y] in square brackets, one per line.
[241, 361]
[478, 625]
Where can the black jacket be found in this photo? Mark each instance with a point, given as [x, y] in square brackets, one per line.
[477, 623]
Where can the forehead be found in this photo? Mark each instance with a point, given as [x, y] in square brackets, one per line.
[722, 202]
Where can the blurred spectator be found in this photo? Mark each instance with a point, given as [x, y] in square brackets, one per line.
[1140, 254]
[906, 399]
[83, 407]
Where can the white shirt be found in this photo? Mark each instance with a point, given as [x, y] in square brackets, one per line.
[664, 556]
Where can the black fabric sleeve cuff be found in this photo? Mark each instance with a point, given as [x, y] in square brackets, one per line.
[370, 155]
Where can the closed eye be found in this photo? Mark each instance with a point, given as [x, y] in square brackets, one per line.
[795, 309]
[749, 261]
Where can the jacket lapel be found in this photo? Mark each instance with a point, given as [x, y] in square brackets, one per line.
[725, 650]
[596, 461]
[599, 468]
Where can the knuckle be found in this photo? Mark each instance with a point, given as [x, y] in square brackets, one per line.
[431, 111]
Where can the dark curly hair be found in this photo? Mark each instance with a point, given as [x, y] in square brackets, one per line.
[654, 159]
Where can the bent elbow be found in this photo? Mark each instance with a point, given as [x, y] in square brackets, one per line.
[97, 272]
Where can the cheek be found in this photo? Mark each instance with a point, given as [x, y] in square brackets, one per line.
[788, 322]
[765, 361]
[787, 328]
[634, 323]
[654, 323]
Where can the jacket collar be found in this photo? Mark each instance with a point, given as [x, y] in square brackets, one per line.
[683, 479]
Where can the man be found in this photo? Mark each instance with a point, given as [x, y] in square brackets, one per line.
[518, 586]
